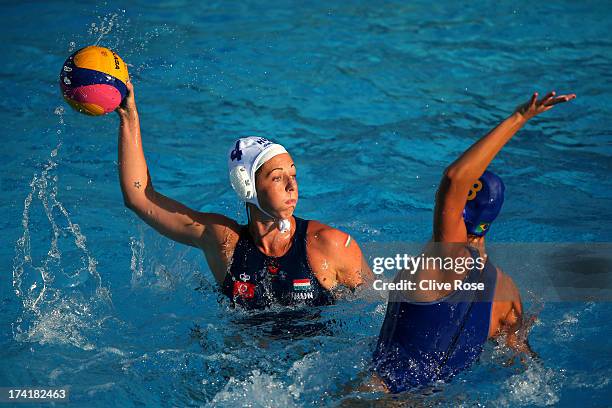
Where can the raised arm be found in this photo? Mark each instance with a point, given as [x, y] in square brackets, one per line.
[169, 217]
[459, 176]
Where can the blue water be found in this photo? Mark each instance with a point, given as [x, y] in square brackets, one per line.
[373, 101]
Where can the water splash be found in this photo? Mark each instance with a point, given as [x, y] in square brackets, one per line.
[137, 247]
[61, 300]
[537, 386]
[104, 26]
[258, 390]
[157, 265]
[566, 328]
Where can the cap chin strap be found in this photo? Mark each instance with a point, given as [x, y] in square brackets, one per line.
[283, 224]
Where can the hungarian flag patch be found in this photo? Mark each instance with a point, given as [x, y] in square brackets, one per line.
[301, 284]
[244, 290]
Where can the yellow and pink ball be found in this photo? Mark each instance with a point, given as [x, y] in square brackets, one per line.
[93, 80]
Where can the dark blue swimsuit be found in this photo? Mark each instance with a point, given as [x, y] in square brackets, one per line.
[421, 343]
[257, 281]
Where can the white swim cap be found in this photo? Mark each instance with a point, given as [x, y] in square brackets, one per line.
[246, 156]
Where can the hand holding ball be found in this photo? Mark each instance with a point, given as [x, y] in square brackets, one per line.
[93, 80]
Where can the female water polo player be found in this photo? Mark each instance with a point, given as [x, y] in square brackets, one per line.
[276, 258]
[435, 331]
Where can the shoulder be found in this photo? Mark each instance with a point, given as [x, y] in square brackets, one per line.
[218, 240]
[326, 238]
[218, 228]
[331, 250]
[333, 244]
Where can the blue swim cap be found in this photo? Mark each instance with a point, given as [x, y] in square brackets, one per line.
[484, 203]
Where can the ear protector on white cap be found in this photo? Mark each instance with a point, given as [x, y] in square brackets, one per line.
[241, 183]
[244, 159]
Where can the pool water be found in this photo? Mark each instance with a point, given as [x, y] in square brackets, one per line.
[373, 101]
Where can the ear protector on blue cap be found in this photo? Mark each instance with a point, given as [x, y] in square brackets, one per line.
[483, 204]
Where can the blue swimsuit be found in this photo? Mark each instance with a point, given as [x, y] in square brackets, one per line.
[421, 343]
[257, 281]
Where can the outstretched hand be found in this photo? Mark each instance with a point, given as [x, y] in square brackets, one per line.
[128, 104]
[534, 106]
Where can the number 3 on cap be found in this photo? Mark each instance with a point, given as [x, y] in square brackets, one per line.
[476, 187]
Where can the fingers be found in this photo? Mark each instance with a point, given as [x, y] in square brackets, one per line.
[130, 87]
[533, 99]
[568, 97]
[549, 96]
[550, 100]
[561, 99]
